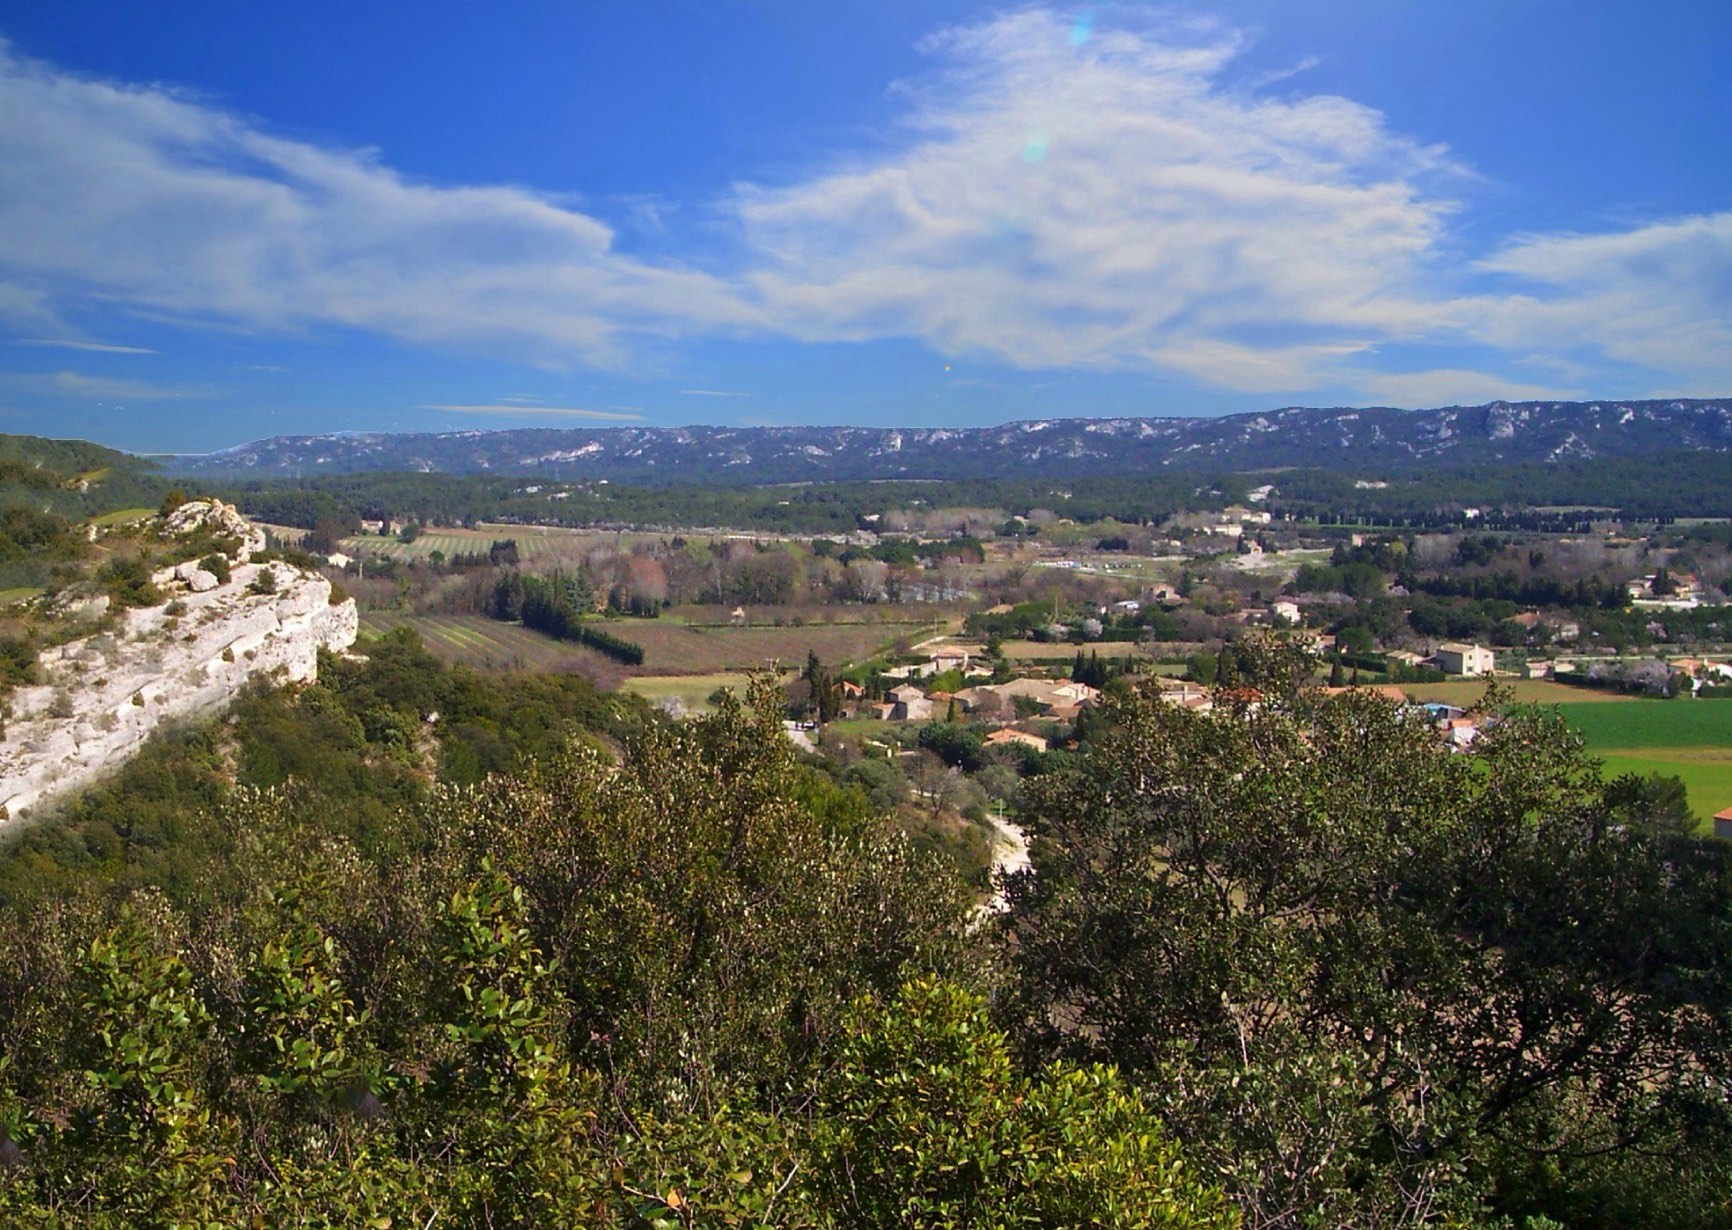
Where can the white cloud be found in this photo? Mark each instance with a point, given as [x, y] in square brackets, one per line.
[568, 412]
[70, 384]
[712, 393]
[1110, 204]
[152, 199]
[1108, 201]
[1659, 296]
[1456, 387]
[66, 343]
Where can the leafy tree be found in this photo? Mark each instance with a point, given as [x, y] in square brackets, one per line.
[925, 1122]
[1358, 972]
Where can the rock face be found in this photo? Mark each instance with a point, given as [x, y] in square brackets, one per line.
[104, 695]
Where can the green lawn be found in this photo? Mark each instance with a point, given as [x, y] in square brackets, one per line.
[692, 691]
[1653, 724]
[1687, 739]
[1708, 777]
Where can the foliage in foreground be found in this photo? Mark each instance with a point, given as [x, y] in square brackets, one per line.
[1368, 982]
[662, 991]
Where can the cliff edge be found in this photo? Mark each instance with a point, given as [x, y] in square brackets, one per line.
[103, 695]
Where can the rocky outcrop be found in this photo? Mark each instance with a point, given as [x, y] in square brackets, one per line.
[104, 695]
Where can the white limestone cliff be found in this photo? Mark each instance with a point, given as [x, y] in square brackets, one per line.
[103, 695]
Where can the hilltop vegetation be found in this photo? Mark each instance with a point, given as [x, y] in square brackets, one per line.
[668, 973]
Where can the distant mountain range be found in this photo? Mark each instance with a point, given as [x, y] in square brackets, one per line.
[1376, 439]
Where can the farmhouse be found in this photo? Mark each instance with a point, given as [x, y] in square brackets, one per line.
[1456, 658]
[1723, 824]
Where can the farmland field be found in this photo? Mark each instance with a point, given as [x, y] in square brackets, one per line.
[669, 648]
[1705, 772]
[1526, 692]
[487, 643]
[537, 546]
[691, 691]
[1662, 724]
[1687, 739]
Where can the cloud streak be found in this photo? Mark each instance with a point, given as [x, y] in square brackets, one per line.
[63, 343]
[568, 412]
[79, 385]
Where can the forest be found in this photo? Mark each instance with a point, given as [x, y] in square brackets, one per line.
[419, 946]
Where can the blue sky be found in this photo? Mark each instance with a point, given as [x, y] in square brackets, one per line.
[223, 221]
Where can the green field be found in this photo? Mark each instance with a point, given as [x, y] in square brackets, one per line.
[1707, 775]
[1653, 723]
[691, 691]
[1687, 739]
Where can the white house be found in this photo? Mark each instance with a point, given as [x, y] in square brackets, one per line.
[1455, 658]
[1286, 611]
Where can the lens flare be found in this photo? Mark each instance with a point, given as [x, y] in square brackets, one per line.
[1082, 29]
[1034, 149]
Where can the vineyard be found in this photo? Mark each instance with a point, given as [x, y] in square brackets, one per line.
[669, 648]
[538, 547]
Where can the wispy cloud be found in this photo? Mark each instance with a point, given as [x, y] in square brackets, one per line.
[154, 200]
[569, 412]
[1453, 386]
[70, 384]
[1123, 200]
[65, 343]
[713, 393]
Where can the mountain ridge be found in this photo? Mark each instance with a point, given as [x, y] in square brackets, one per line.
[1374, 437]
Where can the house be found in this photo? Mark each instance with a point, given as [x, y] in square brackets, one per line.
[986, 702]
[1286, 611]
[1130, 606]
[1000, 738]
[949, 660]
[737, 615]
[1404, 657]
[1723, 824]
[337, 559]
[909, 704]
[1456, 658]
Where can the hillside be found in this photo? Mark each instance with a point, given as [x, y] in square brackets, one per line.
[92, 701]
[1397, 441]
[75, 478]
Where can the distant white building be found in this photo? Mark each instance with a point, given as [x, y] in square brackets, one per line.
[1286, 611]
[1455, 658]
